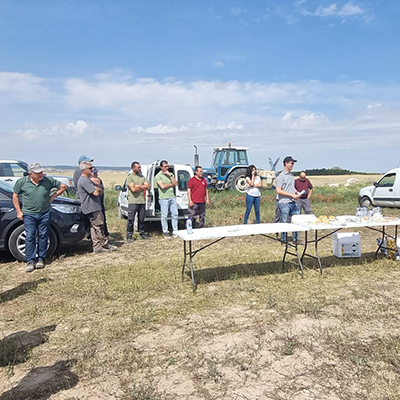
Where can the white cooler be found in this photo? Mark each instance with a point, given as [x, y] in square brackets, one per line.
[346, 244]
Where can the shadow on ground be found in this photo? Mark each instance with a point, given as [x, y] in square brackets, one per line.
[209, 275]
[42, 382]
[21, 289]
[15, 348]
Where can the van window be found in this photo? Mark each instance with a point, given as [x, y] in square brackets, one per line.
[183, 179]
[387, 181]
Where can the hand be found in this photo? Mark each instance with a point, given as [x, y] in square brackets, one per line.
[295, 196]
[191, 204]
[20, 215]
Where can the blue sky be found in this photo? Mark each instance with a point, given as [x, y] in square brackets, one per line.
[143, 80]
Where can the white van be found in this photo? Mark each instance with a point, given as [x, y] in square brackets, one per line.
[385, 192]
[182, 173]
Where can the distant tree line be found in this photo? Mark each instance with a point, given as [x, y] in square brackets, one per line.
[330, 171]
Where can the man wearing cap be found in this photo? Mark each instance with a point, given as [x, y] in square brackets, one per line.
[35, 190]
[285, 189]
[78, 172]
[166, 190]
[89, 195]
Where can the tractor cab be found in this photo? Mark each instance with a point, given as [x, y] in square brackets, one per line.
[224, 158]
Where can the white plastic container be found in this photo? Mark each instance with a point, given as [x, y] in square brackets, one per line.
[346, 244]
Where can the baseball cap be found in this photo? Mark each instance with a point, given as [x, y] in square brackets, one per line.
[85, 158]
[288, 159]
[35, 167]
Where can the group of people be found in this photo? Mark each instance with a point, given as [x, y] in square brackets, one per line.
[293, 195]
[166, 182]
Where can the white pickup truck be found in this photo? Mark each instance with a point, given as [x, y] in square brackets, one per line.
[385, 192]
[182, 173]
[12, 170]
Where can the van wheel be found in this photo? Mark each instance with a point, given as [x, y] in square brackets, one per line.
[16, 243]
[365, 202]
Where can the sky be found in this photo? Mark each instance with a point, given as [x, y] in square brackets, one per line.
[127, 80]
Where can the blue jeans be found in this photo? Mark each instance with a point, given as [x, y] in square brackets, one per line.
[36, 224]
[250, 200]
[289, 209]
[169, 205]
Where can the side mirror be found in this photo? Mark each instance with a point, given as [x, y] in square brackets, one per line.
[118, 187]
[376, 184]
[26, 173]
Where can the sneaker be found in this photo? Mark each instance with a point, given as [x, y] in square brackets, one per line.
[145, 236]
[174, 234]
[129, 240]
[30, 266]
[111, 247]
[167, 235]
[101, 250]
[39, 264]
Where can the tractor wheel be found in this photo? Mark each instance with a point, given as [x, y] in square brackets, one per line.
[237, 180]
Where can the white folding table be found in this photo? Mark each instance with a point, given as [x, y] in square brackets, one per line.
[221, 232]
[346, 222]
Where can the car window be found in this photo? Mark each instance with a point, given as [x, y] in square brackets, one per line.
[12, 169]
[4, 186]
[387, 181]
[183, 179]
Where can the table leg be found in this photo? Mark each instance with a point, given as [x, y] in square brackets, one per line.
[316, 251]
[194, 286]
[184, 258]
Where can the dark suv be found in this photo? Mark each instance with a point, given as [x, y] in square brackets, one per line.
[68, 224]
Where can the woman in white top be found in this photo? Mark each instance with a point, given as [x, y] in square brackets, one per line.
[253, 196]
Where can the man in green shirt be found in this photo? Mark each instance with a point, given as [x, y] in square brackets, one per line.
[166, 196]
[137, 185]
[35, 191]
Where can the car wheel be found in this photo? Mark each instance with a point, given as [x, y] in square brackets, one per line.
[16, 243]
[365, 202]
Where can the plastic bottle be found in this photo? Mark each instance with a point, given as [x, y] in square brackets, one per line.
[189, 227]
[359, 215]
[370, 216]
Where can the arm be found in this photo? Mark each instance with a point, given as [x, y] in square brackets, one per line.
[134, 188]
[309, 194]
[207, 198]
[97, 192]
[15, 200]
[189, 193]
[258, 185]
[164, 186]
[283, 193]
[59, 192]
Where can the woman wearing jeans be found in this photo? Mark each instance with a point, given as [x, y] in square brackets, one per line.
[253, 196]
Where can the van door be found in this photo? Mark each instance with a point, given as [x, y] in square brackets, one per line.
[182, 173]
[384, 192]
[151, 193]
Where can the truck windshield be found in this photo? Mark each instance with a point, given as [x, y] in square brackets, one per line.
[215, 159]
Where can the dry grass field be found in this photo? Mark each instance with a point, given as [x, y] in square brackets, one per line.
[124, 326]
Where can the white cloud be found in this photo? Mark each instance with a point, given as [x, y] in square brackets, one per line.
[71, 129]
[316, 116]
[194, 127]
[16, 87]
[335, 10]
[236, 11]
[218, 64]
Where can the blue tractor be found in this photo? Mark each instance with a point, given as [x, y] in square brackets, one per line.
[228, 169]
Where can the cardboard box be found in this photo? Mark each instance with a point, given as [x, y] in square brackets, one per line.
[346, 244]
